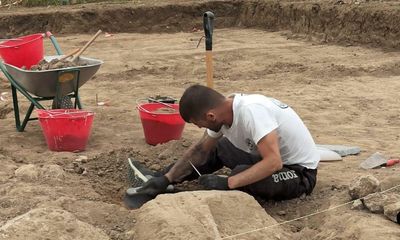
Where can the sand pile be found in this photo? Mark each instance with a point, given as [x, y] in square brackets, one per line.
[204, 215]
[358, 225]
[46, 223]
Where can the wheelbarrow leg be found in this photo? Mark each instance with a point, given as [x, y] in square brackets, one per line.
[27, 118]
[78, 101]
[16, 108]
[21, 127]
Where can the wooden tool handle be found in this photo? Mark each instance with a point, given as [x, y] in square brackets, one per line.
[86, 46]
[209, 68]
[70, 54]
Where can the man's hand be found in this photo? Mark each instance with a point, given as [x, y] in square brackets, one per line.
[155, 186]
[212, 181]
[196, 154]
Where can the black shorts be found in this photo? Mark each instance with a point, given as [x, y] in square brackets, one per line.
[290, 182]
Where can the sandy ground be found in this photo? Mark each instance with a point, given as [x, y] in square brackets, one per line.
[345, 95]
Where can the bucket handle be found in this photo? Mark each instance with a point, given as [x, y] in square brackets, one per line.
[139, 106]
[16, 39]
[9, 39]
[163, 103]
[64, 113]
[4, 46]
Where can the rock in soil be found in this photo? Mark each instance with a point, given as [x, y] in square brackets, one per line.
[376, 202]
[29, 172]
[204, 215]
[392, 211]
[364, 185]
[357, 205]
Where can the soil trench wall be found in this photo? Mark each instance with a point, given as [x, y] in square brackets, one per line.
[373, 24]
[369, 23]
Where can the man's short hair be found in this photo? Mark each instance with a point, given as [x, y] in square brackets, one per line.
[197, 100]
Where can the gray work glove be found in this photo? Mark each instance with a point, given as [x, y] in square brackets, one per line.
[215, 182]
[154, 186]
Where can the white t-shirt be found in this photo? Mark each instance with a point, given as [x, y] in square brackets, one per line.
[254, 116]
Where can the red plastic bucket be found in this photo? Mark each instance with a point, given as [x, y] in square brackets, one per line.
[160, 126]
[66, 129]
[26, 51]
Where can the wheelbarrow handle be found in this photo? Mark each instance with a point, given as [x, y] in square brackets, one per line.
[208, 24]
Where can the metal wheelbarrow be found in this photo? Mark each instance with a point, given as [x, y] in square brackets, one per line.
[52, 84]
[44, 83]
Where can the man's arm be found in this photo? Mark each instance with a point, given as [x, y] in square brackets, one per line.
[271, 162]
[197, 154]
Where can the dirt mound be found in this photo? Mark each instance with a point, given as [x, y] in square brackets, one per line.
[46, 223]
[56, 64]
[108, 172]
[359, 225]
[204, 215]
[115, 220]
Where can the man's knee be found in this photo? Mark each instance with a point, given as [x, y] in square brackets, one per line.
[281, 185]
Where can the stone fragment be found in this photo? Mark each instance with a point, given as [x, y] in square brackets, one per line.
[81, 159]
[374, 202]
[357, 205]
[27, 172]
[363, 185]
[377, 201]
[392, 211]
[52, 171]
[204, 215]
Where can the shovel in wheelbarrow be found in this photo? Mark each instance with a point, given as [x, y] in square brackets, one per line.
[65, 101]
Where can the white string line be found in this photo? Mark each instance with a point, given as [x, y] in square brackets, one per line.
[306, 216]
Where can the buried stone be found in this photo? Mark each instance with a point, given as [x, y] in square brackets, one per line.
[364, 185]
[392, 211]
[205, 215]
[377, 201]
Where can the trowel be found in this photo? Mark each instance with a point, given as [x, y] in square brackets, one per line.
[378, 160]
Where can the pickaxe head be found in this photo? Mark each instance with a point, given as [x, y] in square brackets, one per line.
[208, 24]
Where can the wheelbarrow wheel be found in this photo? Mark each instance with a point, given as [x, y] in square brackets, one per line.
[64, 102]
